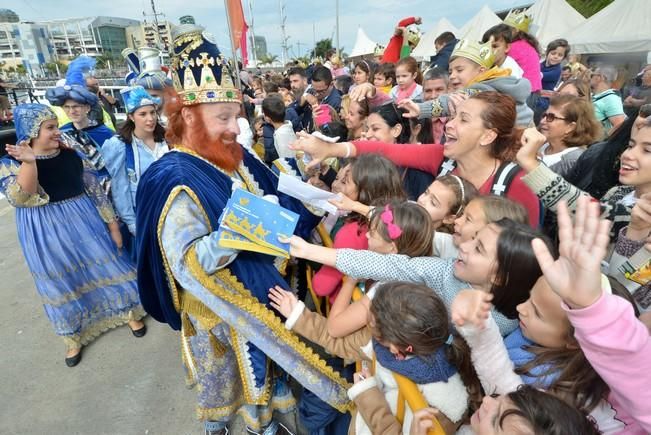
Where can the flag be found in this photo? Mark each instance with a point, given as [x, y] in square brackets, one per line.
[238, 27]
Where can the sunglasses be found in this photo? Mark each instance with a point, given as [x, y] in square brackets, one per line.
[550, 117]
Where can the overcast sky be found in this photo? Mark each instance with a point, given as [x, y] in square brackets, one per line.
[305, 19]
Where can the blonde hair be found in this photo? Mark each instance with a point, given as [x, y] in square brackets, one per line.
[496, 208]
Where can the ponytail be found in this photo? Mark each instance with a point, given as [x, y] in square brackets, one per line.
[458, 354]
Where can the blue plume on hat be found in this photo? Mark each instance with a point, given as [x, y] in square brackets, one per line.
[77, 69]
[136, 96]
[75, 87]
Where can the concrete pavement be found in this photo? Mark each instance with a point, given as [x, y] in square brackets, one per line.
[123, 385]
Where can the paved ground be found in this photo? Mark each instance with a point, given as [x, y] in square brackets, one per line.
[123, 385]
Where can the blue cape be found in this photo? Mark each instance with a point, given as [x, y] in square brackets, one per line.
[213, 189]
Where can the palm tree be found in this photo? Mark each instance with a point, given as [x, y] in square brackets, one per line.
[267, 59]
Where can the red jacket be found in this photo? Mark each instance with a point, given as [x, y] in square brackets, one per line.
[392, 52]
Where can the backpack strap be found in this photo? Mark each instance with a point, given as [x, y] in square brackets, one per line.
[503, 178]
[446, 167]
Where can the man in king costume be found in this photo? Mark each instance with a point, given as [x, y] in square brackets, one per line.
[232, 343]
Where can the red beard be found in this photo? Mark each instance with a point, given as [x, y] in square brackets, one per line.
[224, 152]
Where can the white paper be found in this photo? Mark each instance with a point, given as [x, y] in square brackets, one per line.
[306, 193]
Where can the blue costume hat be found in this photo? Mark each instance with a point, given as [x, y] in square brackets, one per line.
[75, 87]
[145, 69]
[200, 73]
[28, 118]
[136, 97]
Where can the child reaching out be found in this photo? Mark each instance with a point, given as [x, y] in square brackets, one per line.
[408, 335]
[578, 329]
[498, 260]
[397, 227]
[372, 178]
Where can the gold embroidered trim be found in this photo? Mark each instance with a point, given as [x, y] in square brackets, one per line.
[19, 198]
[95, 330]
[191, 305]
[159, 231]
[89, 287]
[242, 299]
[239, 346]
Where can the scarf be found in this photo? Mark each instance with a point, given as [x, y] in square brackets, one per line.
[516, 345]
[401, 95]
[420, 369]
[490, 74]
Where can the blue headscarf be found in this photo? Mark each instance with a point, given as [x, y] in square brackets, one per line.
[75, 87]
[28, 119]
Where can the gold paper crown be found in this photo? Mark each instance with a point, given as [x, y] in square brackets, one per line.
[413, 36]
[196, 54]
[519, 19]
[477, 52]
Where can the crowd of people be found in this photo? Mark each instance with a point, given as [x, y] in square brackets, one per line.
[488, 269]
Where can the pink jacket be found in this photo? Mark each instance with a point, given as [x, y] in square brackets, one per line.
[619, 348]
[327, 281]
[529, 60]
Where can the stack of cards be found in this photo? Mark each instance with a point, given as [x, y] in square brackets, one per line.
[251, 223]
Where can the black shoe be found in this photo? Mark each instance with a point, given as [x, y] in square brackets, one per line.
[73, 360]
[139, 332]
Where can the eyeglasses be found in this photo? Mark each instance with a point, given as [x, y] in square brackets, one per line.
[68, 107]
[550, 117]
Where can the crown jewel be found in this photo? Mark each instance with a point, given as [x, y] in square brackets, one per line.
[199, 71]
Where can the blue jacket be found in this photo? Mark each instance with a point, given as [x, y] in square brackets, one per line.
[442, 58]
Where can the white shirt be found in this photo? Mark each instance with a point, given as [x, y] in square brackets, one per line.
[552, 159]
[444, 246]
[283, 137]
[511, 64]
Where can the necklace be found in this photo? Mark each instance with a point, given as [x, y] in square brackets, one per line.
[48, 156]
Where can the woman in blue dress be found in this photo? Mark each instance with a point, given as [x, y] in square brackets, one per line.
[139, 143]
[86, 282]
[84, 134]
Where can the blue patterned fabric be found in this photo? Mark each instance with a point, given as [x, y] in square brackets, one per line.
[249, 335]
[86, 284]
[28, 119]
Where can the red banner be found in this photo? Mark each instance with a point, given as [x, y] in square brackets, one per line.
[238, 27]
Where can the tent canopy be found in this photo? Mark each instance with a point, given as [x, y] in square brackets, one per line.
[475, 28]
[363, 44]
[624, 26]
[553, 19]
[425, 48]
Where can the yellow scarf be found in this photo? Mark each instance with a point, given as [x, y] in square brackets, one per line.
[490, 74]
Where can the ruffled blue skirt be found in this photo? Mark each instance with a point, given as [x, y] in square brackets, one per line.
[86, 284]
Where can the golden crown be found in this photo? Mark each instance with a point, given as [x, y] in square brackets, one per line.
[519, 19]
[200, 73]
[477, 52]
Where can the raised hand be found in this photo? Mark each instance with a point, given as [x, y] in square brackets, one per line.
[576, 275]
[471, 307]
[21, 152]
[362, 92]
[527, 155]
[454, 101]
[413, 110]
[282, 300]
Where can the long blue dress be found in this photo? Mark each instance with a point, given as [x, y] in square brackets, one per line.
[86, 284]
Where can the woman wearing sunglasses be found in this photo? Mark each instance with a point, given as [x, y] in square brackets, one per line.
[569, 125]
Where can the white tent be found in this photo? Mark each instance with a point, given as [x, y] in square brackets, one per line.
[553, 19]
[475, 28]
[363, 44]
[624, 26]
[425, 48]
